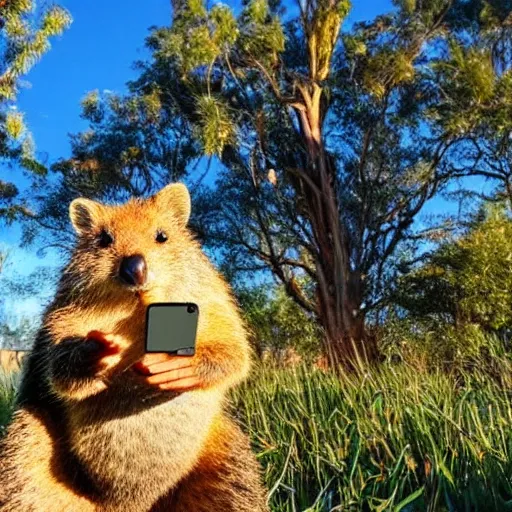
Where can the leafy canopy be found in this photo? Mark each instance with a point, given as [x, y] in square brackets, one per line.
[24, 39]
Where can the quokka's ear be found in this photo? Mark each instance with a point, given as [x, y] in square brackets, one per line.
[176, 198]
[84, 214]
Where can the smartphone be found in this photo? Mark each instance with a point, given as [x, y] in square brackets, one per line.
[172, 328]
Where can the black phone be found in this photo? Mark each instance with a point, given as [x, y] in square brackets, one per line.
[172, 328]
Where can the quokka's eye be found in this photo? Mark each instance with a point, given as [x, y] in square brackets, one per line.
[161, 237]
[105, 239]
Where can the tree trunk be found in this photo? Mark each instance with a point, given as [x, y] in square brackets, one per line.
[339, 287]
[340, 312]
[345, 342]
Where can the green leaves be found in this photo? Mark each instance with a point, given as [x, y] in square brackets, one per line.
[323, 439]
[354, 46]
[17, 8]
[261, 34]
[23, 41]
[202, 42]
[199, 37]
[471, 71]
[257, 11]
[277, 324]
[225, 26]
[55, 21]
[91, 106]
[410, 499]
[195, 9]
[388, 69]
[473, 76]
[14, 125]
[192, 47]
[152, 104]
[409, 6]
[27, 42]
[215, 128]
[323, 30]
[16, 27]
[467, 280]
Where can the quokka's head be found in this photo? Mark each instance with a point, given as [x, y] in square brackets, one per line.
[137, 248]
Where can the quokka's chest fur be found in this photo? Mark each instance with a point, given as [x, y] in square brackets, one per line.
[137, 444]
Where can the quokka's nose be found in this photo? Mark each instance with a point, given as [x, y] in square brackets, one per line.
[133, 270]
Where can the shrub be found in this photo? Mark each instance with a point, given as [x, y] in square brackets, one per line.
[467, 280]
[278, 324]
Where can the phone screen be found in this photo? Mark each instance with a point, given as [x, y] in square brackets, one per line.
[172, 328]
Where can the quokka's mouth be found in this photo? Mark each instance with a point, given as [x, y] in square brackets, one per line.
[129, 288]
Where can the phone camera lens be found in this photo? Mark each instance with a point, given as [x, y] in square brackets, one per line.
[191, 309]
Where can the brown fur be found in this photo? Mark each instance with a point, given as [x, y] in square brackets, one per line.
[86, 438]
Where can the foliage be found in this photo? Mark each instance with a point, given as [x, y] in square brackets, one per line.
[214, 127]
[467, 280]
[20, 335]
[24, 38]
[135, 146]
[430, 347]
[475, 95]
[17, 330]
[277, 323]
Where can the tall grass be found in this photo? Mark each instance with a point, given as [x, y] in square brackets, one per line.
[8, 385]
[391, 438]
[396, 437]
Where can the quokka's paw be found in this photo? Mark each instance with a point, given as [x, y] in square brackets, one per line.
[171, 373]
[101, 351]
[78, 357]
